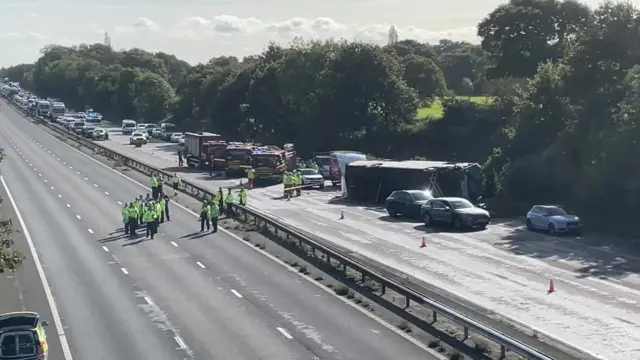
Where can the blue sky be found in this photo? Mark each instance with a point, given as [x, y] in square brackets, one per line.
[196, 30]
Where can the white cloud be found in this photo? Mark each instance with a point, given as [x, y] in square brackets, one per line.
[21, 36]
[318, 28]
[141, 25]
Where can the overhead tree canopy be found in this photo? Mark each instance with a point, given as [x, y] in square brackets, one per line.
[562, 127]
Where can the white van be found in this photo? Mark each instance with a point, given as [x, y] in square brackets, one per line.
[128, 126]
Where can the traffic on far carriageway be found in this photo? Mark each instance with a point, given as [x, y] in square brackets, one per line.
[505, 266]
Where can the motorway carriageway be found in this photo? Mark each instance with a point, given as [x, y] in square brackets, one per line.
[180, 296]
[504, 268]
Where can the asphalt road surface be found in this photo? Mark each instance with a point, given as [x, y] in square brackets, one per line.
[504, 268]
[182, 295]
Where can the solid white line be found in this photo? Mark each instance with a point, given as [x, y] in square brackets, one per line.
[66, 351]
[148, 300]
[78, 216]
[200, 264]
[285, 333]
[174, 244]
[90, 231]
[236, 293]
[105, 248]
[124, 271]
[180, 342]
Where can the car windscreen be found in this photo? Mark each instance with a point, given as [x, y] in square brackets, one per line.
[264, 161]
[322, 160]
[309, 172]
[238, 154]
[461, 204]
[421, 195]
[129, 125]
[555, 211]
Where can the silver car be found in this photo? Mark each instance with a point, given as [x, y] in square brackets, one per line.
[553, 219]
[312, 178]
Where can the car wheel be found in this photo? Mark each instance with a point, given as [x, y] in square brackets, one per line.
[427, 220]
[552, 229]
[392, 212]
[457, 223]
[529, 225]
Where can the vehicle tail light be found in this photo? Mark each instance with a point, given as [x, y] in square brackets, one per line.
[41, 353]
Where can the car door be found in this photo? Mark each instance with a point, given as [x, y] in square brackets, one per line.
[538, 218]
[404, 203]
[437, 211]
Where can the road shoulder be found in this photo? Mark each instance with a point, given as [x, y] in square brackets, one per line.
[22, 290]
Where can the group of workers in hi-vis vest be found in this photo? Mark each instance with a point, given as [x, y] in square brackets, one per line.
[150, 211]
[212, 208]
[292, 182]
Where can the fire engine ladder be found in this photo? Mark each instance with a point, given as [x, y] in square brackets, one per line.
[433, 185]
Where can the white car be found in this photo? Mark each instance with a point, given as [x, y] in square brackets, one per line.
[312, 178]
[175, 137]
[138, 137]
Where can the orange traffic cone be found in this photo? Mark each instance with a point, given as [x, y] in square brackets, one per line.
[341, 214]
[424, 243]
[552, 287]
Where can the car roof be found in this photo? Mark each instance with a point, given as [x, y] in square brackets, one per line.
[19, 319]
[547, 206]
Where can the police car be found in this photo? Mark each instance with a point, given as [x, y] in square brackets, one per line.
[22, 336]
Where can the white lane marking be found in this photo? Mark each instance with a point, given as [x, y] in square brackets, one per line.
[70, 167]
[236, 293]
[34, 169]
[124, 271]
[66, 351]
[115, 258]
[68, 205]
[90, 231]
[78, 216]
[174, 244]
[52, 188]
[105, 248]
[64, 163]
[285, 333]
[148, 300]
[86, 178]
[95, 185]
[180, 342]
[106, 193]
[45, 180]
[39, 174]
[119, 202]
[78, 172]
[59, 195]
[200, 264]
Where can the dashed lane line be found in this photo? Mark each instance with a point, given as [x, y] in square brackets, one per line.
[285, 333]
[105, 248]
[201, 264]
[124, 271]
[237, 294]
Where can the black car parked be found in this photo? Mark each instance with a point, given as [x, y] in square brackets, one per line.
[459, 213]
[88, 131]
[407, 203]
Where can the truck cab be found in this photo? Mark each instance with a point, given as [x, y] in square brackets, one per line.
[271, 162]
[238, 158]
[42, 108]
[128, 126]
[57, 109]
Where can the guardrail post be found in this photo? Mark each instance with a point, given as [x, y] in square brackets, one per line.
[434, 315]
[407, 303]
[466, 333]
[503, 351]
[383, 289]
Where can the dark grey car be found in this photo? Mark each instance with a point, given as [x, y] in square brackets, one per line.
[459, 213]
[406, 203]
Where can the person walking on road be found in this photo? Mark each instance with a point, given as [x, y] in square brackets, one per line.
[220, 198]
[177, 181]
[166, 199]
[125, 218]
[251, 177]
[133, 219]
[180, 161]
[160, 206]
[149, 218]
[243, 197]
[228, 201]
[154, 186]
[205, 216]
[214, 211]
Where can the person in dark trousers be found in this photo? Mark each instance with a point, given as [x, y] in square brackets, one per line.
[154, 186]
[180, 161]
[133, 219]
[215, 214]
[166, 199]
[205, 216]
[228, 201]
[160, 190]
[221, 200]
[149, 218]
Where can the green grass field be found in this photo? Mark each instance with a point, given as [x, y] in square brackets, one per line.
[435, 110]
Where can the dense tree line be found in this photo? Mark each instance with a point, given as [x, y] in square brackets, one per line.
[561, 129]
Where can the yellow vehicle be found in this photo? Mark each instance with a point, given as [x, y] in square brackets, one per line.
[22, 336]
